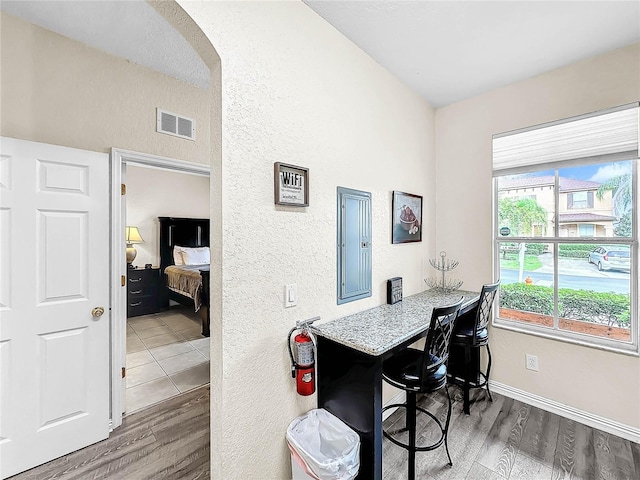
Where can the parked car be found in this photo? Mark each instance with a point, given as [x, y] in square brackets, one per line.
[608, 257]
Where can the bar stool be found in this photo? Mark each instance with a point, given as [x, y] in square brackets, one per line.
[471, 332]
[423, 371]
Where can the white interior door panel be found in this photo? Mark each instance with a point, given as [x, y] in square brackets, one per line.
[54, 352]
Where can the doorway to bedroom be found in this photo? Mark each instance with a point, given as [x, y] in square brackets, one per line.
[166, 353]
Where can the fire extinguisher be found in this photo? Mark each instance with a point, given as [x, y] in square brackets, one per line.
[302, 362]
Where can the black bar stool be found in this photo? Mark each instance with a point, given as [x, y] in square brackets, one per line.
[423, 371]
[471, 332]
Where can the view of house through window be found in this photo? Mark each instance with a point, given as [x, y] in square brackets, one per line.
[566, 248]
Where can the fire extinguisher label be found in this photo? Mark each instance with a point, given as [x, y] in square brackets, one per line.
[305, 353]
[307, 377]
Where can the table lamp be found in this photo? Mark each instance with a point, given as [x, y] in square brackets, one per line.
[132, 236]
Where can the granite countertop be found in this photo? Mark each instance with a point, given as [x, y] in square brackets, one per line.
[379, 329]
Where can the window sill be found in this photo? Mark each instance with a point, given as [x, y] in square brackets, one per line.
[537, 328]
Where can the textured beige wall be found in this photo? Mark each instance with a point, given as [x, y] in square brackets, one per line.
[59, 91]
[294, 90]
[599, 382]
[153, 193]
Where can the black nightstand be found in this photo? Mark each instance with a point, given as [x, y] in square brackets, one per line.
[142, 291]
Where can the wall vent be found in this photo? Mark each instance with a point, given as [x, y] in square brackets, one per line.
[176, 125]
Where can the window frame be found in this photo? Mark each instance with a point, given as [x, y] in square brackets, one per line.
[556, 333]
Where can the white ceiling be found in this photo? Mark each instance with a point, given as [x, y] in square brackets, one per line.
[451, 50]
[444, 50]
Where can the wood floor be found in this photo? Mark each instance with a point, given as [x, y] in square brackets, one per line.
[503, 439]
[507, 439]
[167, 441]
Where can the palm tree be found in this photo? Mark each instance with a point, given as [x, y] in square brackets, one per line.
[620, 185]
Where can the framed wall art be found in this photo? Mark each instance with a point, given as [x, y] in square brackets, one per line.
[291, 185]
[406, 224]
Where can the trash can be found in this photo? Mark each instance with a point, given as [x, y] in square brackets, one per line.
[323, 447]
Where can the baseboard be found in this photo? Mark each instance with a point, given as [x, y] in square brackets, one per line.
[400, 397]
[586, 418]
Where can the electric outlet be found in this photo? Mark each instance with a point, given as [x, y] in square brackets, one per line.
[531, 362]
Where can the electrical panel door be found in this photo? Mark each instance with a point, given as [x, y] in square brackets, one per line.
[354, 245]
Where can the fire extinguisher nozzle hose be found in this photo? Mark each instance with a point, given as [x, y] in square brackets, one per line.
[305, 324]
[293, 362]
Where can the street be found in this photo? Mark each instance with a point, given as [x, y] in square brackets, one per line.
[617, 284]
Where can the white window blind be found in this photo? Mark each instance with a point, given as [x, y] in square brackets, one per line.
[607, 136]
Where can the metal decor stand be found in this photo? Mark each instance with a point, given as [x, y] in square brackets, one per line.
[443, 265]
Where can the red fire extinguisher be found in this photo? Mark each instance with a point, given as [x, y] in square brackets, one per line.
[302, 361]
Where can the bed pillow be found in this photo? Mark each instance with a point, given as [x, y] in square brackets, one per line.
[177, 255]
[196, 256]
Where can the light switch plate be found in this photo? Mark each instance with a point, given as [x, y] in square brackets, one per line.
[290, 295]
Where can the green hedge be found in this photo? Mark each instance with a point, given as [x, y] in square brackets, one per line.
[594, 306]
[585, 305]
[535, 248]
[574, 250]
[529, 248]
[529, 298]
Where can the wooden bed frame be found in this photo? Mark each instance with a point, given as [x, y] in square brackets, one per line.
[185, 232]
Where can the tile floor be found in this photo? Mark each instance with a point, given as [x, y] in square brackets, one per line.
[166, 355]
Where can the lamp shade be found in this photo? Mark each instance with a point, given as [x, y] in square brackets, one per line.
[132, 235]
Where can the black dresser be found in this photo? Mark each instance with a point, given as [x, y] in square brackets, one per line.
[142, 291]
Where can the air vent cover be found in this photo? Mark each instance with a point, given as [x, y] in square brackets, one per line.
[176, 125]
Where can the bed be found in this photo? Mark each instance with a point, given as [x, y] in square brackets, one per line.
[185, 284]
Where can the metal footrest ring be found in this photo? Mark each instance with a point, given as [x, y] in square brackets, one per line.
[426, 448]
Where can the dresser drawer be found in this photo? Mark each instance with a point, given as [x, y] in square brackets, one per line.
[142, 291]
[142, 305]
[137, 290]
[143, 278]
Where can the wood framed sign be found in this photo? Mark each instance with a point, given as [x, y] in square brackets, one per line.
[291, 185]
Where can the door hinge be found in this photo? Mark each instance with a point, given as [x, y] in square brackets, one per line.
[124, 370]
[123, 281]
[123, 189]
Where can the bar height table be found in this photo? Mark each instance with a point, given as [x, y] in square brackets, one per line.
[350, 355]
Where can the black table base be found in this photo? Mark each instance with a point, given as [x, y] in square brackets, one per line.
[350, 387]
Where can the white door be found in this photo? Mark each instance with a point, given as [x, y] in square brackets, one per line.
[54, 270]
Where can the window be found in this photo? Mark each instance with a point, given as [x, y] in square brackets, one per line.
[567, 260]
[586, 230]
[579, 200]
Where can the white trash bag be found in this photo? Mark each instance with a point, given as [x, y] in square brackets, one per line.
[324, 446]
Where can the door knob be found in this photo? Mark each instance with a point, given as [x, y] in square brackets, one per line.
[97, 311]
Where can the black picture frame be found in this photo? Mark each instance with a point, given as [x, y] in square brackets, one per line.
[290, 185]
[406, 219]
